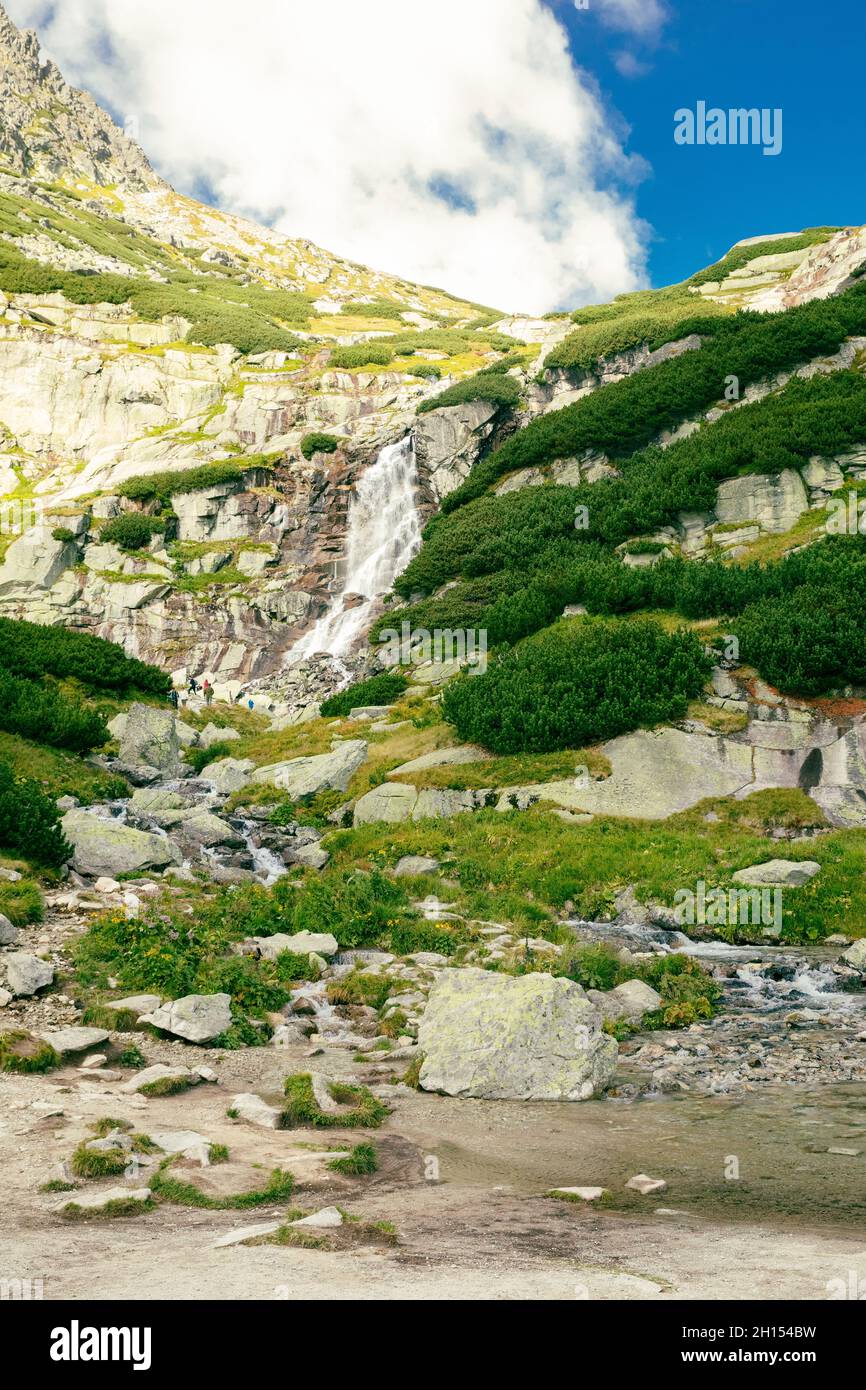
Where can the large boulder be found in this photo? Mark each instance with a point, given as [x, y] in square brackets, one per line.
[392, 801]
[774, 500]
[197, 1018]
[25, 974]
[228, 774]
[778, 873]
[325, 771]
[501, 1038]
[150, 739]
[630, 1000]
[103, 846]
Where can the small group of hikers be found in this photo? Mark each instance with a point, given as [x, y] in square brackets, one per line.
[206, 691]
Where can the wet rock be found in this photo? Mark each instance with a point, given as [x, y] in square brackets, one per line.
[855, 955]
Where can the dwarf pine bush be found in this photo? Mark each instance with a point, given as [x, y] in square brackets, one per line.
[576, 684]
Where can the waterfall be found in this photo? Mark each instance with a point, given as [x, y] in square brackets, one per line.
[383, 534]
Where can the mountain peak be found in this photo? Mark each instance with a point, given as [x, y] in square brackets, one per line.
[50, 130]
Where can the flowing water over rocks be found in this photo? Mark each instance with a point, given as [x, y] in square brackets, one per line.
[383, 533]
[788, 1014]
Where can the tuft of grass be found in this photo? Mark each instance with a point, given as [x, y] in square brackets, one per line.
[219, 1153]
[302, 1109]
[57, 1185]
[412, 1074]
[279, 1186]
[115, 1020]
[120, 1206]
[361, 1160]
[22, 902]
[90, 1163]
[20, 1051]
[165, 1086]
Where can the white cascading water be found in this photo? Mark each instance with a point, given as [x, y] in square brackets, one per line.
[383, 534]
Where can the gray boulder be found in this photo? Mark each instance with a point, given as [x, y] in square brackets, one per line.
[500, 1038]
[65, 1040]
[630, 1001]
[300, 944]
[212, 734]
[8, 933]
[855, 956]
[325, 771]
[228, 774]
[778, 873]
[197, 1018]
[103, 846]
[412, 864]
[150, 739]
[25, 974]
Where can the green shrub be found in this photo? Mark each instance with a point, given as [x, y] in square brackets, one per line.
[30, 649]
[317, 443]
[30, 822]
[131, 531]
[41, 713]
[218, 309]
[488, 385]
[62, 533]
[383, 689]
[95, 1163]
[808, 641]
[624, 416]
[22, 902]
[577, 684]
[174, 481]
[361, 355]
[426, 371]
[378, 309]
[358, 908]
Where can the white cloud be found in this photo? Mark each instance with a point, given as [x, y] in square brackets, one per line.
[636, 16]
[628, 65]
[339, 121]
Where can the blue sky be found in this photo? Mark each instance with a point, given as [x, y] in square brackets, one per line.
[800, 55]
